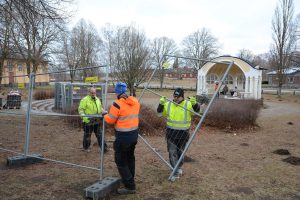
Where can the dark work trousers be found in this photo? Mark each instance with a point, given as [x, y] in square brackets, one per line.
[125, 161]
[88, 130]
[176, 141]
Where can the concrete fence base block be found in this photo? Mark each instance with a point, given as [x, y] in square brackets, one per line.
[23, 160]
[101, 189]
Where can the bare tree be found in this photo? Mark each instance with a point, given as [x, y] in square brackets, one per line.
[296, 53]
[246, 54]
[129, 57]
[201, 45]
[80, 48]
[5, 37]
[161, 47]
[33, 28]
[56, 10]
[284, 40]
[33, 36]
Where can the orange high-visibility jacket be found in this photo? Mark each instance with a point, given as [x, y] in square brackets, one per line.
[124, 114]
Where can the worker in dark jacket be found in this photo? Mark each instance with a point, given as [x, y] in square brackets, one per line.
[124, 115]
[178, 124]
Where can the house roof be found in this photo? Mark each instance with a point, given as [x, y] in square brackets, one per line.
[181, 70]
[287, 71]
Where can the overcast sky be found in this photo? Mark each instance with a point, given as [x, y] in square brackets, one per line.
[237, 24]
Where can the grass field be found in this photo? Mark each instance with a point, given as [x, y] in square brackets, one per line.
[223, 164]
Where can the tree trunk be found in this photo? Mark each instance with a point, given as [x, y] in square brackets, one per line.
[1, 72]
[72, 73]
[162, 75]
[134, 92]
[279, 89]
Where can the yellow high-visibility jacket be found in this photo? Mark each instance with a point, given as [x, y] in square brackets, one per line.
[177, 117]
[89, 106]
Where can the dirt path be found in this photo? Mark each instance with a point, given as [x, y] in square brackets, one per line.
[279, 108]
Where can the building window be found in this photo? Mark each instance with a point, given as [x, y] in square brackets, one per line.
[211, 78]
[229, 79]
[241, 79]
[290, 79]
[20, 67]
[10, 66]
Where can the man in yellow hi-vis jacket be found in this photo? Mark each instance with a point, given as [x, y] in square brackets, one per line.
[91, 105]
[178, 124]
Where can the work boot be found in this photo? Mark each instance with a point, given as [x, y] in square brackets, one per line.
[87, 150]
[180, 172]
[125, 191]
[175, 176]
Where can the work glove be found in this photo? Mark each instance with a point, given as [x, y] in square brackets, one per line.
[193, 100]
[162, 101]
[104, 113]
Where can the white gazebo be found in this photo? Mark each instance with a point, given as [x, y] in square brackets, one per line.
[243, 75]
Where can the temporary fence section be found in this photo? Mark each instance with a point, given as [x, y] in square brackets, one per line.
[68, 94]
[12, 119]
[177, 142]
[51, 134]
[53, 129]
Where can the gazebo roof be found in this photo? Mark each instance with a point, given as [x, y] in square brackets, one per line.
[242, 64]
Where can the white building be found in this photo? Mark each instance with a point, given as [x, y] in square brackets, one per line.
[247, 78]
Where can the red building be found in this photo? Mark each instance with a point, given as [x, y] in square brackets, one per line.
[181, 73]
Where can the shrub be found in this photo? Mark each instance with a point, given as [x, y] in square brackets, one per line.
[43, 94]
[233, 114]
[75, 121]
[150, 123]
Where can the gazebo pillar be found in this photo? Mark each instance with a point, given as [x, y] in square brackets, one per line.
[251, 86]
[246, 85]
[255, 87]
[259, 87]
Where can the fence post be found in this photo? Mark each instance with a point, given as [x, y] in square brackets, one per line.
[103, 124]
[171, 177]
[28, 114]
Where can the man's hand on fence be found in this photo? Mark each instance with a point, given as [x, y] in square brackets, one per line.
[104, 112]
[162, 101]
[193, 100]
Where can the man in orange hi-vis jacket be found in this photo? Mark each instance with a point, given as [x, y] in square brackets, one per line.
[124, 115]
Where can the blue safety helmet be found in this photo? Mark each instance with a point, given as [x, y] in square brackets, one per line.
[120, 88]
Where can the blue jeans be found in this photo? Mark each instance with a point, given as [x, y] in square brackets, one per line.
[125, 161]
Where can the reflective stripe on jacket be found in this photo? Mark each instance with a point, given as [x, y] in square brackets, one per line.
[178, 118]
[124, 114]
[89, 106]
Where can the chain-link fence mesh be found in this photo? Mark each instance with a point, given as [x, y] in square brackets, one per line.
[55, 128]
[13, 94]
